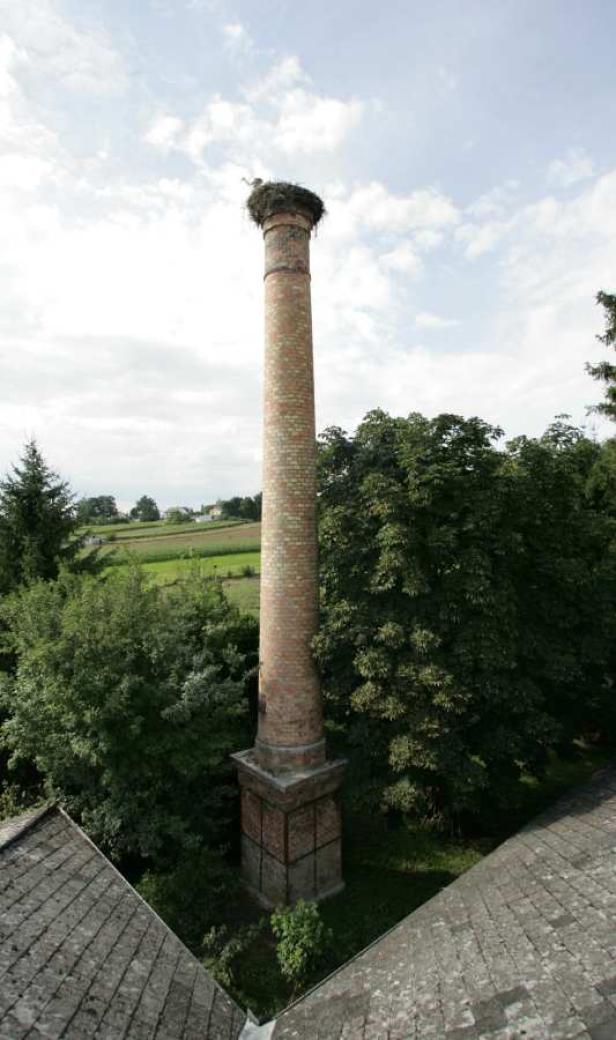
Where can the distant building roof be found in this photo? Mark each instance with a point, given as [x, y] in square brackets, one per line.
[82, 955]
[521, 947]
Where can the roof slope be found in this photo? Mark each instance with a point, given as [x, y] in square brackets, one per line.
[82, 955]
[521, 947]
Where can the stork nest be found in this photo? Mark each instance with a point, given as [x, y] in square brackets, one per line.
[280, 197]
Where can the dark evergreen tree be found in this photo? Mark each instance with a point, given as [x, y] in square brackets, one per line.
[605, 371]
[37, 522]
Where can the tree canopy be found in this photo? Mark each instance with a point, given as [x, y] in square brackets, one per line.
[100, 509]
[37, 522]
[144, 509]
[129, 700]
[468, 605]
[238, 508]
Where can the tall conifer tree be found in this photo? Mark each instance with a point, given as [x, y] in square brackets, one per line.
[37, 522]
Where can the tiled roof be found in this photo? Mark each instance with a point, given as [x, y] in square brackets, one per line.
[521, 947]
[82, 955]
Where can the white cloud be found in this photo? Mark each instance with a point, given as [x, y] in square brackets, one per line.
[574, 167]
[496, 202]
[237, 38]
[280, 113]
[221, 121]
[478, 239]
[403, 259]
[381, 210]
[164, 132]
[426, 320]
[283, 75]
[309, 123]
[80, 57]
[131, 316]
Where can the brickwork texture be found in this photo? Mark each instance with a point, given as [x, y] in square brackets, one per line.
[290, 719]
[290, 830]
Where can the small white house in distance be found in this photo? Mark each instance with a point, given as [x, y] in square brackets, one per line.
[203, 518]
[211, 512]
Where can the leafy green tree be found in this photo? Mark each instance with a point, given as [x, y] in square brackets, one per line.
[129, 700]
[231, 508]
[100, 509]
[467, 605]
[37, 522]
[225, 952]
[145, 509]
[605, 371]
[564, 576]
[303, 941]
[238, 508]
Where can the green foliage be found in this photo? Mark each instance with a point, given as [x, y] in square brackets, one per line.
[193, 895]
[467, 606]
[100, 509]
[303, 941]
[224, 951]
[129, 699]
[604, 371]
[247, 508]
[145, 509]
[37, 522]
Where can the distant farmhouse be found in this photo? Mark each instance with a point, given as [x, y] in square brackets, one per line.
[173, 512]
[210, 513]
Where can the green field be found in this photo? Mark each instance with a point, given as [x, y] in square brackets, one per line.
[181, 541]
[159, 528]
[227, 565]
[244, 593]
[227, 549]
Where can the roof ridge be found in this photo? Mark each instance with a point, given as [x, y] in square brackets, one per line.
[218, 988]
[12, 828]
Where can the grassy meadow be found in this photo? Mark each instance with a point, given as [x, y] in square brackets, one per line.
[227, 549]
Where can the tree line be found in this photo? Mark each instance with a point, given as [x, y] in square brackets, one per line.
[103, 509]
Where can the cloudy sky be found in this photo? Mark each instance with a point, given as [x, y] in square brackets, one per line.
[467, 157]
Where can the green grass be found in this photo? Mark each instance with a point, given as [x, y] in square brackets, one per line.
[166, 572]
[244, 593]
[193, 542]
[158, 554]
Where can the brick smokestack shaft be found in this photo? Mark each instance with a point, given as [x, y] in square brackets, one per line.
[290, 717]
[291, 813]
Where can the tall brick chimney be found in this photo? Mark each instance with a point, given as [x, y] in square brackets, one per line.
[290, 792]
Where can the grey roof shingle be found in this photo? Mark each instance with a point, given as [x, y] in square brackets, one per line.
[82, 955]
[521, 947]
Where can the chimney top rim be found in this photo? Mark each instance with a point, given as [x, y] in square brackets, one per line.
[266, 200]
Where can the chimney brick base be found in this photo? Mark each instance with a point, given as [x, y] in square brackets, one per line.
[291, 831]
